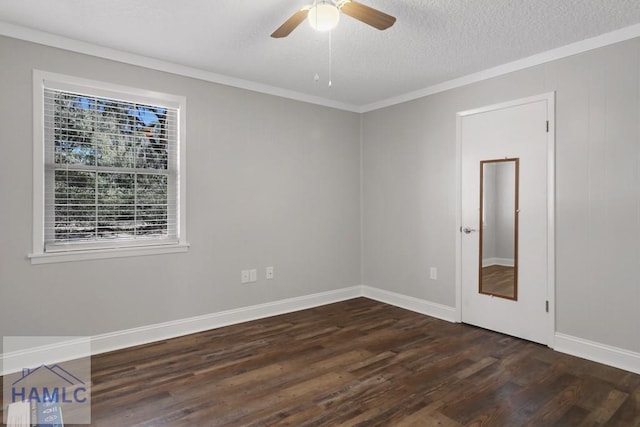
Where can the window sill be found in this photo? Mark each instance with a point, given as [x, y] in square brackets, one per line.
[55, 257]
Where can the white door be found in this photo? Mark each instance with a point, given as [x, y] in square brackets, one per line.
[515, 130]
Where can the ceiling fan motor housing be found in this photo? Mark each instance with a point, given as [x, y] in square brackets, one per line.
[323, 16]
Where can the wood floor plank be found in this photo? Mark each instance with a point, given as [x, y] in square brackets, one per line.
[356, 363]
[629, 412]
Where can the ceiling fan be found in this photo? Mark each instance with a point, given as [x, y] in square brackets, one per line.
[324, 15]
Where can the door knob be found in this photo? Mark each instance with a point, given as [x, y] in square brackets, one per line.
[468, 230]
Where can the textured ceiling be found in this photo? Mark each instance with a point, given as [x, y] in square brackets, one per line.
[433, 41]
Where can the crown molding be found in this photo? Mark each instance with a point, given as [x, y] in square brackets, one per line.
[592, 43]
[60, 42]
[52, 40]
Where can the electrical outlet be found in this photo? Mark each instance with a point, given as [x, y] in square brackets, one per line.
[244, 276]
[433, 273]
[269, 273]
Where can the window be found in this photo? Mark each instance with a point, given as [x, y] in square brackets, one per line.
[108, 170]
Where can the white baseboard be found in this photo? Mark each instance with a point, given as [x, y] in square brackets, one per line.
[15, 361]
[421, 306]
[505, 262]
[64, 349]
[161, 331]
[597, 352]
[76, 347]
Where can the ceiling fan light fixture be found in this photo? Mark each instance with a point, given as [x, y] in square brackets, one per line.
[323, 17]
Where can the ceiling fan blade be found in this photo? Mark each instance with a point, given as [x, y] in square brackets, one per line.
[368, 15]
[290, 24]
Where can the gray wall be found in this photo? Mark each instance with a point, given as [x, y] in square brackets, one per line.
[409, 190]
[505, 217]
[277, 182]
[498, 212]
[270, 182]
[489, 214]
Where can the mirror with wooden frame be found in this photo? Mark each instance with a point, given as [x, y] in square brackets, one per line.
[498, 263]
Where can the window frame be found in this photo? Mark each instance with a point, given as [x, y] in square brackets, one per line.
[115, 248]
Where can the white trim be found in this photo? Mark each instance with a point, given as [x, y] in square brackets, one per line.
[166, 330]
[146, 334]
[45, 79]
[62, 351]
[551, 218]
[586, 45]
[597, 352]
[421, 306]
[38, 163]
[551, 258]
[458, 230]
[67, 83]
[76, 348]
[505, 262]
[56, 257]
[507, 104]
[181, 177]
[48, 39]
[362, 189]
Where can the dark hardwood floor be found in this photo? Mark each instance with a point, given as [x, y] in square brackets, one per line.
[361, 363]
[498, 280]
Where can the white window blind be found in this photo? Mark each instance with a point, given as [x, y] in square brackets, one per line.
[110, 172]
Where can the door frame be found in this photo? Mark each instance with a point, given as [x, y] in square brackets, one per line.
[549, 97]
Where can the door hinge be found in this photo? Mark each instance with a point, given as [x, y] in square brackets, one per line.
[546, 306]
[547, 126]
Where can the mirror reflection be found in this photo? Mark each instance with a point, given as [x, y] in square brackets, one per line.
[499, 228]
